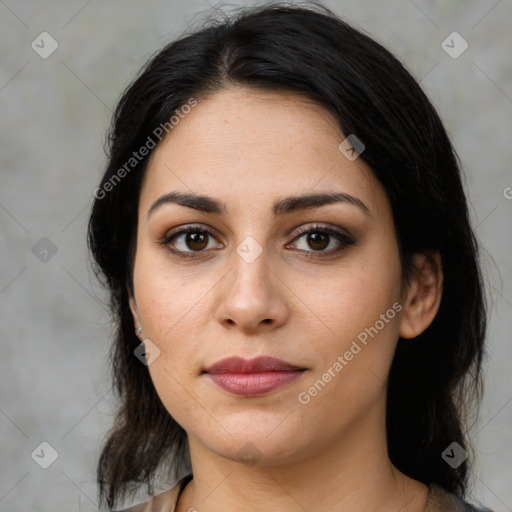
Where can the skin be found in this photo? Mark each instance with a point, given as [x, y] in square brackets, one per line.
[248, 149]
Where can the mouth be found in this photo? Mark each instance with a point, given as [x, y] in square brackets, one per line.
[252, 377]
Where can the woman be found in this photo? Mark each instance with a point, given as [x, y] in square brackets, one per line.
[299, 304]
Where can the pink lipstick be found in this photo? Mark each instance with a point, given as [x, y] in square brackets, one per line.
[252, 377]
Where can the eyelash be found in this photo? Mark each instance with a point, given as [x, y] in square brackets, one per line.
[343, 238]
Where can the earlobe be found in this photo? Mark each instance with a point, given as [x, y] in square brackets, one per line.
[424, 294]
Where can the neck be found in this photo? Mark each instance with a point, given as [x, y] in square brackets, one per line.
[352, 474]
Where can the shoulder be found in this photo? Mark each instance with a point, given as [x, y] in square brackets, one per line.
[440, 500]
[163, 502]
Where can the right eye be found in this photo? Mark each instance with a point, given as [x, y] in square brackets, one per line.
[187, 241]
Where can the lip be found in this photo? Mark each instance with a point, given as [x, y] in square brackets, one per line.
[252, 377]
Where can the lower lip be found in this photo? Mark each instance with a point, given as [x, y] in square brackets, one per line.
[254, 384]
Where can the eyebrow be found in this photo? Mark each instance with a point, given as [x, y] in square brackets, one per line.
[280, 208]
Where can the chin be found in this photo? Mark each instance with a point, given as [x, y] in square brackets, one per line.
[264, 440]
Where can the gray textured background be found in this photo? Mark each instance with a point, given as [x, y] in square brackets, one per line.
[54, 327]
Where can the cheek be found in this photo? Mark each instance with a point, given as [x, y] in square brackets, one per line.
[360, 313]
[355, 297]
[174, 390]
[354, 356]
[166, 297]
[171, 313]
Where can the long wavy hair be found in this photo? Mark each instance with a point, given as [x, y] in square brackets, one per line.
[435, 379]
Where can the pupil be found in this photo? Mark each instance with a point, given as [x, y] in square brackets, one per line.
[317, 238]
[196, 241]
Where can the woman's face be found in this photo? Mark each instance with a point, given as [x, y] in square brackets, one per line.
[252, 282]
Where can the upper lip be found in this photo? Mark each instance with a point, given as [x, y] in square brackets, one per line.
[257, 365]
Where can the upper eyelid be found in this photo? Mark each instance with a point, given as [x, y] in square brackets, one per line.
[320, 227]
[180, 230]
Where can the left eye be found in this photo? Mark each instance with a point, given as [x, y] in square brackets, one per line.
[318, 239]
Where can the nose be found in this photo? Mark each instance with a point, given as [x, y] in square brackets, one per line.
[252, 297]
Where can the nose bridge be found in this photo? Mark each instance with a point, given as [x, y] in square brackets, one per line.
[251, 255]
[249, 296]
[250, 266]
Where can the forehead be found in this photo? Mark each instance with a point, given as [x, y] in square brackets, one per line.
[244, 145]
[244, 122]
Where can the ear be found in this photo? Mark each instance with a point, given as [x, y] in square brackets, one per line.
[423, 295]
[135, 312]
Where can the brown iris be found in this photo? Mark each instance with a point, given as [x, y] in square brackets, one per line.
[317, 241]
[196, 241]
